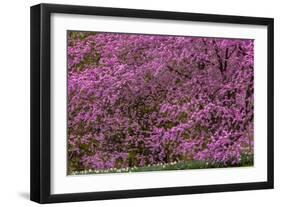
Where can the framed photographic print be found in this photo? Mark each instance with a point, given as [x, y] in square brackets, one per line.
[133, 103]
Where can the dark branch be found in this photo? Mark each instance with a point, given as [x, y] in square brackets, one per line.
[178, 72]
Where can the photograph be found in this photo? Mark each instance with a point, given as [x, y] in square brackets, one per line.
[150, 102]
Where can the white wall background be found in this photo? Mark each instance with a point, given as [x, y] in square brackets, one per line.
[14, 101]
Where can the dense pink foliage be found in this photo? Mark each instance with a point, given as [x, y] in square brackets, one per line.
[135, 100]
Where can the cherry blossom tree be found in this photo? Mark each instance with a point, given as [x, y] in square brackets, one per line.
[137, 100]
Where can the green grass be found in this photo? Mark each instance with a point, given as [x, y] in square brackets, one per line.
[245, 161]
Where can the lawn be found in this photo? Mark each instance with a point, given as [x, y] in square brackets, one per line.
[246, 161]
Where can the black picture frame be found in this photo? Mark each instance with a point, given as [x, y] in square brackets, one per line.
[41, 95]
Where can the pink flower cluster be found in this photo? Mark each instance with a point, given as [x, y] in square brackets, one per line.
[137, 100]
